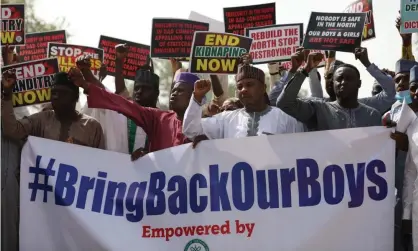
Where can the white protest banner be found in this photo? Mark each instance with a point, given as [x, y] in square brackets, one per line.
[274, 43]
[278, 192]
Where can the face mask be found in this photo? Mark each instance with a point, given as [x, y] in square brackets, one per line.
[404, 95]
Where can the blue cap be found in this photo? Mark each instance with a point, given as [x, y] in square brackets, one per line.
[413, 77]
[404, 66]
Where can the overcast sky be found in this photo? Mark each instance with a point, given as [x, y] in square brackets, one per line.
[131, 20]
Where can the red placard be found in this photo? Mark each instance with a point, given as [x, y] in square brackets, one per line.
[37, 44]
[137, 55]
[12, 24]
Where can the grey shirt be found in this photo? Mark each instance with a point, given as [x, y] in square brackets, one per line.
[321, 115]
[382, 101]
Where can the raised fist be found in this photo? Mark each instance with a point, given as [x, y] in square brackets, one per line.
[362, 55]
[246, 59]
[201, 87]
[121, 51]
[9, 79]
[83, 62]
[297, 59]
[313, 60]
[77, 77]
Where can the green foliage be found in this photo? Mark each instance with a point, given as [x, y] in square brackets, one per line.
[34, 23]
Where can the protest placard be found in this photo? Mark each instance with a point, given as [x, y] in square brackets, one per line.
[172, 38]
[34, 80]
[364, 6]
[68, 53]
[334, 31]
[274, 43]
[217, 53]
[236, 19]
[137, 55]
[12, 24]
[37, 44]
[409, 16]
[220, 194]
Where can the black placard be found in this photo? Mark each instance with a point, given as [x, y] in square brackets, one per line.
[137, 56]
[173, 38]
[37, 44]
[334, 31]
[236, 19]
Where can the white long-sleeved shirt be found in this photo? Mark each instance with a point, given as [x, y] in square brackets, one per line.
[238, 123]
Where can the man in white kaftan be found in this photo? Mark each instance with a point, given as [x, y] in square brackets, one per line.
[256, 118]
[410, 184]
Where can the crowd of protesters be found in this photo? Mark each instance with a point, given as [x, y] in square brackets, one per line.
[131, 123]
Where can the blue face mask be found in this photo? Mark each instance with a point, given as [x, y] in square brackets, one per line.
[404, 95]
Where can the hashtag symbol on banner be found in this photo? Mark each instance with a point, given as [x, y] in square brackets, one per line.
[42, 186]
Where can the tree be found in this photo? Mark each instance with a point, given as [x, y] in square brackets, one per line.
[35, 24]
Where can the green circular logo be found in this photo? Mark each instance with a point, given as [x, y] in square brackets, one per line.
[196, 245]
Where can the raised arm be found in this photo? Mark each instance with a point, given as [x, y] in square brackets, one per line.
[143, 117]
[406, 42]
[193, 124]
[280, 79]
[121, 53]
[315, 84]
[84, 64]
[384, 100]
[302, 110]
[16, 129]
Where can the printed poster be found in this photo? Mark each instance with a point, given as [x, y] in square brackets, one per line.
[217, 53]
[34, 81]
[409, 16]
[274, 43]
[68, 53]
[236, 19]
[37, 44]
[137, 56]
[334, 31]
[364, 6]
[221, 196]
[12, 24]
[173, 38]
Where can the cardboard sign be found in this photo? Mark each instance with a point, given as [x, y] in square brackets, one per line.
[68, 53]
[137, 56]
[409, 16]
[274, 43]
[217, 53]
[172, 38]
[334, 31]
[236, 19]
[37, 44]
[34, 81]
[12, 24]
[364, 6]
